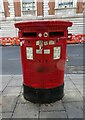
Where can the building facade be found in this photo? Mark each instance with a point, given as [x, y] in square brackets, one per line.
[19, 8]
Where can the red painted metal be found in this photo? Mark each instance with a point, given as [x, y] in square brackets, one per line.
[43, 71]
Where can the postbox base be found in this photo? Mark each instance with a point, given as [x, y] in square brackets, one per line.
[43, 95]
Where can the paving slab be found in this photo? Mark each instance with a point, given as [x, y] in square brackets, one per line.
[17, 77]
[29, 110]
[66, 78]
[8, 103]
[80, 89]
[75, 75]
[14, 105]
[69, 85]
[53, 114]
[21, 99]
[0, 108]
[12, 91]
[0, 99]
[7, 115]
[0, 92]
[57, 106]
[77, 81]
[0, 83]
[72, 95]
[15, 83]
[5, 81]
[0, 116]
[74, 109]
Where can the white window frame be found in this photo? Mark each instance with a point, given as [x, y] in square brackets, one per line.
[35, 8]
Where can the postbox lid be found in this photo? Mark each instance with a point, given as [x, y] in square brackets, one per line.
[42, 23]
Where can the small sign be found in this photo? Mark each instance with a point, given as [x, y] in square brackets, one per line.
[47, 51]
[51, 42]
[57, 52]
[39, 42]
[29, 53]
[46, 43]
[38, 51]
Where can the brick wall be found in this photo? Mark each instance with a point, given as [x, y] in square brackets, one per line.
[17, 8]
[6, 9]
[39, 7]
[79, 6]
[52, 7]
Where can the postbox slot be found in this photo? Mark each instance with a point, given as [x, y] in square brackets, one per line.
[30, 34]
[56, 34]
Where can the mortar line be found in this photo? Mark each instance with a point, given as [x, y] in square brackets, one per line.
[75, 86]
[16, 103]
[6, 85]
[39, 112]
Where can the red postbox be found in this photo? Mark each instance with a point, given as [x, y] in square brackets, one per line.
[43, 53]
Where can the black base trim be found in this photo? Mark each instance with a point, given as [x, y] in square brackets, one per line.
[43, 95]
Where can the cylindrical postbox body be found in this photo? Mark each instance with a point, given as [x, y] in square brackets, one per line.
[43, 53]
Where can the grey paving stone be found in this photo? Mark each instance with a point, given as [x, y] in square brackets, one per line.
[72, 95]
[12, 91]
[17, 77]
[78, 81]
[0, 99]
[5, 80]
[0, 83]
[16, 80]
[0, 108]
[0, 116]
[80, 88]
[21, 99]
[8, 103]
[74, 109]
[75, 75]
[65, 75]
[0, 92]
[66, 78]
[52, 107]
[7, 115]
[15, 83]
[26, 111]
[53, 114]
[68, 85]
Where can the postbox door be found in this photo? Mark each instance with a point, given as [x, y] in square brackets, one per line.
[33, 63]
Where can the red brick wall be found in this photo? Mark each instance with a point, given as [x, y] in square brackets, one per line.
[39, 7]
[6, 9]
[17, 8]
[79, 6]
[51, 7]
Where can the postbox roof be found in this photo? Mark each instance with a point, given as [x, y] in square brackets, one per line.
[42, 23]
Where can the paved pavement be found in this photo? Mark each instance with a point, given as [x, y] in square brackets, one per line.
[13, 105]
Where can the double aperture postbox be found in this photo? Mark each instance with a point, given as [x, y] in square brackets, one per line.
[43, 53]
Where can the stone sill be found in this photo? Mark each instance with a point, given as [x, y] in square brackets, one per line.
[65, 8]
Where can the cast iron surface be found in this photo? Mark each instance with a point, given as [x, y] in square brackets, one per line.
[43, 95]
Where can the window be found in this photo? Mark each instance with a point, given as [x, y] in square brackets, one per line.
[65, 3]
[28, 5]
